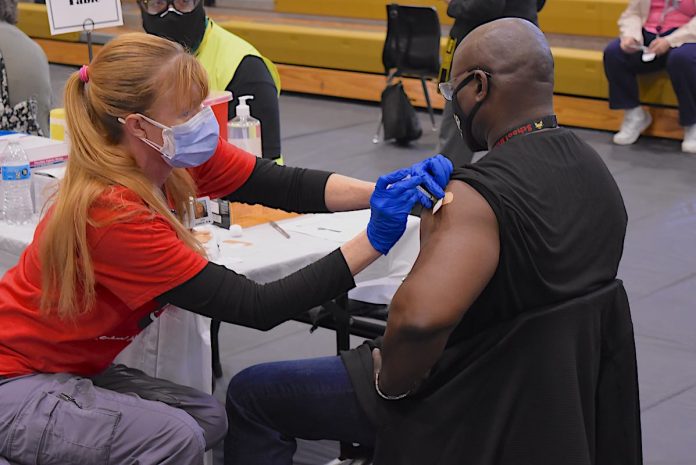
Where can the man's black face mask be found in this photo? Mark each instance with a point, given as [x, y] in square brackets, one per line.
[185, 28]
[464, 121]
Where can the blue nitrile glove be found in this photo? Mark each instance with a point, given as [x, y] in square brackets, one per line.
[392, 200]
[436, 172]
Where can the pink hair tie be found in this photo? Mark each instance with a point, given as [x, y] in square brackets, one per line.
[84, 75]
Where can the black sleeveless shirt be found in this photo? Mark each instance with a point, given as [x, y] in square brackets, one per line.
[561, 219]
[562, 224]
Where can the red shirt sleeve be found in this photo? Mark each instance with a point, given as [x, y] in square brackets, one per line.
[141, 257]
[226, 171]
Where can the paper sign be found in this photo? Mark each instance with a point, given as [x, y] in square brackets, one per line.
[76, 15]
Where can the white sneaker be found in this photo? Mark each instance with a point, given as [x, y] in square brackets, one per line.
[689, 144]
[636, 120]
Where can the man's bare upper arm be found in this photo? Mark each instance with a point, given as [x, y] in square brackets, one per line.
[459, 254]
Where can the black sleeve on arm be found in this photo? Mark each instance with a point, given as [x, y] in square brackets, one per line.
[253, 78]
[298, 190]
[219, 293]
[475, 11]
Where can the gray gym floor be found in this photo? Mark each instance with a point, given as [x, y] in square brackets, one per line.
[658, 183]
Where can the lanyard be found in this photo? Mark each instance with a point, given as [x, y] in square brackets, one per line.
[547, 122]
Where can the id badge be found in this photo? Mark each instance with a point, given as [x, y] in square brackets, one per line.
[200, 212]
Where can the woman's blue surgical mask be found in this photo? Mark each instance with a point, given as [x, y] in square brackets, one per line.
[189, 144]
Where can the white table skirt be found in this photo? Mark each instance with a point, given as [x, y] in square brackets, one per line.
[177, 345]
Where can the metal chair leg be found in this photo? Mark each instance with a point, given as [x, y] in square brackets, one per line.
[215, 348]
[430, 106]
[376, 137]
[390, 77]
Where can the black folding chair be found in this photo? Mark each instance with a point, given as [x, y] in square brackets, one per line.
[412, 48]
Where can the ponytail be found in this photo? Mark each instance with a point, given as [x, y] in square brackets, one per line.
[97, 161]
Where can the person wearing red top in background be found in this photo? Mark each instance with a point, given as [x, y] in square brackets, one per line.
[113, 249]
[655, 34]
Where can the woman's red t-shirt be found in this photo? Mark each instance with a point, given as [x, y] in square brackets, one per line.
[135, 260]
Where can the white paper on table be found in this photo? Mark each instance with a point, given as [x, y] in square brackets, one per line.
[337, 228]
[212, 247]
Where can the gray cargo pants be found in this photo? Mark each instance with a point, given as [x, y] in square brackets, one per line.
[120, 417]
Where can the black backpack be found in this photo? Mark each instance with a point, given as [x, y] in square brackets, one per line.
[400, 119]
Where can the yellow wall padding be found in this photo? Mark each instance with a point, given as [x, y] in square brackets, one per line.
[582, 17]
[578, 72]
[33, 20]
[365, 9]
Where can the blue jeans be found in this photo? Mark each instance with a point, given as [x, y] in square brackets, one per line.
[621, 69]
[271, 404]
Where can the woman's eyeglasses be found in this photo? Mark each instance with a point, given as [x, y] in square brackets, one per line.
[160, 7]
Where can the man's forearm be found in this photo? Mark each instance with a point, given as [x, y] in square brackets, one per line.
[343, 193]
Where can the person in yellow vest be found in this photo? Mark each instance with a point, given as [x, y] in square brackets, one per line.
[231, 62]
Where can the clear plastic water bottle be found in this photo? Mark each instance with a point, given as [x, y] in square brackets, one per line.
[17, 205]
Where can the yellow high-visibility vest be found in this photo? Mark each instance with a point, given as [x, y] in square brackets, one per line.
[221, 52]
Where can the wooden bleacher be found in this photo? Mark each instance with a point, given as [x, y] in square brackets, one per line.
[334, 47]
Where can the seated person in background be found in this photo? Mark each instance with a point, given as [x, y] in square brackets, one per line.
[25, 83]
[231, 62]
[538, 221]
[655, 34]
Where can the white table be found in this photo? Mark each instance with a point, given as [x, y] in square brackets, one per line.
[177, 345]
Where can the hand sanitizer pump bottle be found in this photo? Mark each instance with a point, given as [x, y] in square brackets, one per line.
[244, 130]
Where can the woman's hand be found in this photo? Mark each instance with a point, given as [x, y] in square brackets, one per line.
[391, 202]
[438, 169]
[659, 46]
[630, 45]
